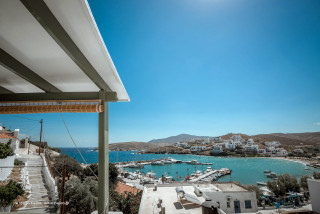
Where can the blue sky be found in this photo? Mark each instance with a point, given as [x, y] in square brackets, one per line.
[205, 67]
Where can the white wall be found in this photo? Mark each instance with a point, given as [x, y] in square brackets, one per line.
[6, 166]
[49, 180]
[221, 197]
[314, 189]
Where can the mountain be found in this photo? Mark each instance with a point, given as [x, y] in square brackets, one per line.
[134, 146]
[178, 138]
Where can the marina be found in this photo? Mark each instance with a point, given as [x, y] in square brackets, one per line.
[241, 167]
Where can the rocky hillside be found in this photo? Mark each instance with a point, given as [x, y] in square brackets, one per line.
[179, 138]
[132, 146]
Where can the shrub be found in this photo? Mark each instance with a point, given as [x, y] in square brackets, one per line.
[283, 184]
[73, 167]
[5, 151]
[316, 175]
[9, 193]
[303, 182]
[18, 163]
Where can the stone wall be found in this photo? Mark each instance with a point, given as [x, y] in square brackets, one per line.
[49, 180]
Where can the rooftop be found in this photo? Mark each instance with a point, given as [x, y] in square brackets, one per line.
[224, 187]
[122, 188]
[150, 200]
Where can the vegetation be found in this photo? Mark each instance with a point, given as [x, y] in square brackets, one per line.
[113, 172]
[258, 191]
[303, 182]
[81, 196]
[18, 163]
[128, 203]
[316, 175]
[73, 167]
[9, 193]
[5, 151]
[283, 184]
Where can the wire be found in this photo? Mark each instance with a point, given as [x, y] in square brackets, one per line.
[24, 118]
[75, 143]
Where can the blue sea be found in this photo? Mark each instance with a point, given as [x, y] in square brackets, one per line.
[245, 170]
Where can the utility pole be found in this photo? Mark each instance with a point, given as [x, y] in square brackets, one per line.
[62, 187]
[41, 121]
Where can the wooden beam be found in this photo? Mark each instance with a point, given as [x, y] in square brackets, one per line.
[45, 17]
[24, 72]
[57, 96]
[5, 91]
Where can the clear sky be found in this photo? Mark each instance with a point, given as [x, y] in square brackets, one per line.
[205, 67]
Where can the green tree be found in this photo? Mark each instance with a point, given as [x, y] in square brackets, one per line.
[113, 172]
[73, 167]
[283, 184]
[316, 175]
[9, 193]
[303, 182]
[5, 151]
[258, 191]
[82, 197]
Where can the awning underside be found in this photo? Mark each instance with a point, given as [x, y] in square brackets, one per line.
[52, 50]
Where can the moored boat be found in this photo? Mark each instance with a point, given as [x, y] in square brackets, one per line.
[261, 183]
[267, 171]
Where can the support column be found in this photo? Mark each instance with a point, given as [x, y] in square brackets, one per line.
[103, 184]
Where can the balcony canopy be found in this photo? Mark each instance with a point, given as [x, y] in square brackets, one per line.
[53, 50]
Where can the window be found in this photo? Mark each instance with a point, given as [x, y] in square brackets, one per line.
[248, 204]
[228, 204]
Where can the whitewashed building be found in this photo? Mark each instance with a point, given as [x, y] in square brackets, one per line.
[197, 148]
[217, 139]
[217, 149]
[251, 148]
[250, 142]
[314, 188]
[275, 144]
[280, 152]
[237, 138]
[298, 151]
[262, 151]
[231, 197]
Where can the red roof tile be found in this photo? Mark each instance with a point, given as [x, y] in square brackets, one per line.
[122, 188]
[6, 136]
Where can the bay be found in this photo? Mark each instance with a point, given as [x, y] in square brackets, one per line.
[245, 170]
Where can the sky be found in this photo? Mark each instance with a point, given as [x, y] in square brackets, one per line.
[205, 67]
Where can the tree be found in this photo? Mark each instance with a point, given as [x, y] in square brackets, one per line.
[5, 151]
[258, 191]
[303, 182]
[283, 184]
[82, 198]
[73, 167]
[113, 172]
[316, 175]
[9, 193]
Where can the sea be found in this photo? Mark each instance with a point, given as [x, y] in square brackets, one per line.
[245, 170]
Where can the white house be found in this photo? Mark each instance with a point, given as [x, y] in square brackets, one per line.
[275, 144]
[237, 138]
[231, 197]
[298, 151]
[182, 144]
[250, 142]
[8, 136]
[314, 188]
[280, 152]
[217, 139]
[251, 148]
[262, 151]
[217, 148]
[197, 148]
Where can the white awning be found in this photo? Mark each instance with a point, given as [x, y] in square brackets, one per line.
[37, 57]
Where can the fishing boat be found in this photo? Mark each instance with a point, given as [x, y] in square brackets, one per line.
[157, 163]
[261, 183]
[267, 171]
[193, 162]
[272, 175]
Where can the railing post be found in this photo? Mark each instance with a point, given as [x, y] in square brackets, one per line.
[103, 183]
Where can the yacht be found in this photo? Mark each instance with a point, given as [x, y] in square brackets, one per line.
[267, 171]
[157, 163]
[272, 175]
[261, 183]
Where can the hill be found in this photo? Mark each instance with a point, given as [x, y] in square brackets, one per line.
[179, 138]
[132, 146]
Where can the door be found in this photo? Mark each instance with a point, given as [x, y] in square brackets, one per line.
[237, 207]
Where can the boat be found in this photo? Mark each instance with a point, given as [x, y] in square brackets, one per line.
[272, 175]
[267, 171]
[261, 183]
[157, 163]
[193, 162]
[306, 168]
[138, 165]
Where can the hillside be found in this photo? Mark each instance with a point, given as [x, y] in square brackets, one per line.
[179, 138]
[131, 146]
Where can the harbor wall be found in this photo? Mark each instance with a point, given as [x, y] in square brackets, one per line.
[6, 165]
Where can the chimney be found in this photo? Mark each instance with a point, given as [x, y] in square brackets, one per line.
[16, 133]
